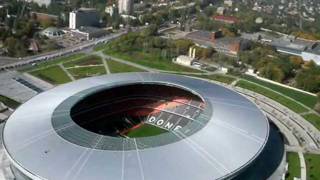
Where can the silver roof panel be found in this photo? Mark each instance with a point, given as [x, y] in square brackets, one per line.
[233, 137]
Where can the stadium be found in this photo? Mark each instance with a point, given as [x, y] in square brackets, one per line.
[142, 126]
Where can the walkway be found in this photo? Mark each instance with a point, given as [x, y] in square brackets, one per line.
[106, 57]
[106, 66]
[302, 166]
[303, 105]
[66, 71]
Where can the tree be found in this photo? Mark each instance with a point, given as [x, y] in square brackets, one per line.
[309, 78]
[10, 44]
[15, 47]
[46, 23]
[182, 46]
[271, 71]
[203, 53]
[152, 30]
[297, 61]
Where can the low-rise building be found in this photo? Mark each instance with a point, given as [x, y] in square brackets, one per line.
[227, 45]
[306, 49]
[289, 46]
[228, 2]
[189, 5]
[184, 60]
[52, 32]
[312, 53]
[221, 10]
[109, 10]
[226, 19]
[43, 16]
[90, 32]
[41, 2]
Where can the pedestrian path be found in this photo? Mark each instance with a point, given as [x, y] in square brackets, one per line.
[106, 65]
[67, 72]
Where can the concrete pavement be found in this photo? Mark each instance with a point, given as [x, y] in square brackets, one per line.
[105, 64]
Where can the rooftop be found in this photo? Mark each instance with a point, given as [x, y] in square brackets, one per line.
[294, 44]
[228, 120]
[226, 18]
[315, 48]
[200, 35]
[90, 29]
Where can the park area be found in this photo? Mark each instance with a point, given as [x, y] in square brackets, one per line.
[293, 166]
[313, 166]
[78, 66]
[301, 97]
[298, 108]
[151, 61]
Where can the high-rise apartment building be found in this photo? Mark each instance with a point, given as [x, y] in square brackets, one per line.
[125, 6]
[83, 17]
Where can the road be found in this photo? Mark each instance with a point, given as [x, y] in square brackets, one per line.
[6, 62]
[11, 63]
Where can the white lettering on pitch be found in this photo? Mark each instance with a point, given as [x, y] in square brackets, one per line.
[160, 122]
[152, 119]
[177, 127]
[168, 125]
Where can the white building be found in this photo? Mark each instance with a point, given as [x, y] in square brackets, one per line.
[228, 2]
[184, 60]
[221, 10]
[109, 10]
[41, 2]
[308, 56]
[83, 17]
[52, 32]
[125, 6]
[90, 32]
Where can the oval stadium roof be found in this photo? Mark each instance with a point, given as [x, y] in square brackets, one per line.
[221, 142]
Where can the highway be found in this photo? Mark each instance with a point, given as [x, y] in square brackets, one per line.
[10, 63]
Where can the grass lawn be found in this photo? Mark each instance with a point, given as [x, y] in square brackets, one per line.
[9, 102]
[272, 95]
[304, 98]
[53, 74]
[294, 166]
[53, 62]
[85, 61]
[149, 60]
[116, 67]
[313, 119]
[100, 47]
[84, 72]
[218, 77]
[313, 166]
[146, 130]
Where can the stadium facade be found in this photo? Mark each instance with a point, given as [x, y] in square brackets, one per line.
[142, 126]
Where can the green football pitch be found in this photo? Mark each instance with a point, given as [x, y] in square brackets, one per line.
[146, 130]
